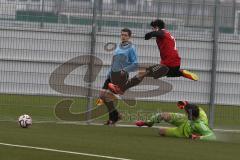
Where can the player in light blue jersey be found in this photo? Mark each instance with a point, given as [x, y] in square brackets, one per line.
[124, 61]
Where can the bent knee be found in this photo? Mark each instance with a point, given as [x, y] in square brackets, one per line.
[162, 131]
[107, 96]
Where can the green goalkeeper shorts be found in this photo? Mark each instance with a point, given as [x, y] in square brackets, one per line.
[181, 123]
[174, 132]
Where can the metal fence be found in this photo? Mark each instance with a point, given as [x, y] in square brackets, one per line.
[39, 37]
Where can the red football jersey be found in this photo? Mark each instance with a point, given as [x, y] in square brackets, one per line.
[168, 50]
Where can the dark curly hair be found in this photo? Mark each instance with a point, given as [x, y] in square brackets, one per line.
[158, 23]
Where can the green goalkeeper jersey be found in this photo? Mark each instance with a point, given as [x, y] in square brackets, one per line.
[199, 127]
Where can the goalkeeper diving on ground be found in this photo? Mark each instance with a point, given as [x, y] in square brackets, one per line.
[193, 124]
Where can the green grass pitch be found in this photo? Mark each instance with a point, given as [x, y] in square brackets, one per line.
[124, 142]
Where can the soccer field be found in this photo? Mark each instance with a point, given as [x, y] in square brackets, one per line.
[41, 108]
[50, 138]
[70, 141]
[57, 57]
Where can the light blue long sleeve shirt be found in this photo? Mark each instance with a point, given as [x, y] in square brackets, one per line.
[124, 58]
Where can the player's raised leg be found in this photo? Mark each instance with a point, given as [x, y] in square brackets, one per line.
[155, 71]
[189, 75]
[177, 72]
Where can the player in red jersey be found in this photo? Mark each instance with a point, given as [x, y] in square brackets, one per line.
[170, 59]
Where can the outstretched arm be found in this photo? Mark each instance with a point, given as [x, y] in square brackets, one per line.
[149, 35]
[205, 131]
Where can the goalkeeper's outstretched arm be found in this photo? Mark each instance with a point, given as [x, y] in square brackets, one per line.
[205, 131]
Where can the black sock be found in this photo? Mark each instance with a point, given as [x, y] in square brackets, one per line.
[113, 113]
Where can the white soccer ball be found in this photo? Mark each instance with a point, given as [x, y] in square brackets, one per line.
[25, 121]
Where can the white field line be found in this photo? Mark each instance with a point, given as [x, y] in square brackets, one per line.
[62, 151]
[131, 126]
[119, 125]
